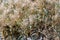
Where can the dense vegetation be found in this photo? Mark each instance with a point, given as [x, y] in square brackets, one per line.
[23, 19]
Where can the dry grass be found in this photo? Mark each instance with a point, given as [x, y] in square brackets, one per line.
[28, 13]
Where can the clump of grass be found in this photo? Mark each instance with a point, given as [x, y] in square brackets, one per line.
[33, 16]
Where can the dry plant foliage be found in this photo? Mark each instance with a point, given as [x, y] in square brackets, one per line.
[37, 19]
